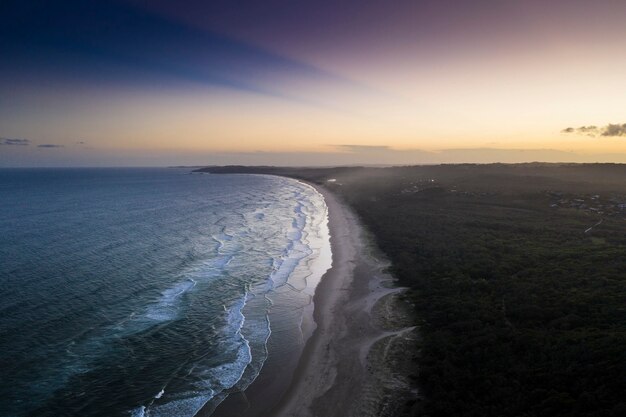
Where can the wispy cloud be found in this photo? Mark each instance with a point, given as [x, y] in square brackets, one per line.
[610, 130]
[157, 48]
[49, 145]
[363, 148]
[14, 142]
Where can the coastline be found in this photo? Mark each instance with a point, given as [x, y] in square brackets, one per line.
[352, 365]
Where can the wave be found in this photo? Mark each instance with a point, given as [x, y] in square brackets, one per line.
[247, 343]
[167, 307]
[210, 381]
[146, 301]
[242, 261]
[177, 408]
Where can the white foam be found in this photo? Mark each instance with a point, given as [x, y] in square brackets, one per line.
[307, 240]
[167, 307]
[138, 412]
[186, 407]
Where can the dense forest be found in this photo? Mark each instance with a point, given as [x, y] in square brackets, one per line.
[518, 278]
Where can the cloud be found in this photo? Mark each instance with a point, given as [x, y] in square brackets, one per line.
[49, 145]
[584, 130]
[363, 148]
[615, 130]
[159, 49]
[14, 142]
[610, 130]
[591, 130]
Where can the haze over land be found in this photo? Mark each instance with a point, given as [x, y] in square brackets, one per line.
[289, 83]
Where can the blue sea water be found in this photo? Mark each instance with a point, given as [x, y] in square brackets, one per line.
[149, 292]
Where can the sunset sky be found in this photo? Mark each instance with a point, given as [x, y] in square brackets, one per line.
[157, 82]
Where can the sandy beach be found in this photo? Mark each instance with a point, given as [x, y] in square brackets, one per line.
[350, 366]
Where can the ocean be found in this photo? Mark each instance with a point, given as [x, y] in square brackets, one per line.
[151, 292]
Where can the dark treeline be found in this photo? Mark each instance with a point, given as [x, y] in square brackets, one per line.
[521, 308]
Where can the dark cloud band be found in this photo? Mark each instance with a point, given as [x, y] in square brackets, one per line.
[610, 130]
[14, 142]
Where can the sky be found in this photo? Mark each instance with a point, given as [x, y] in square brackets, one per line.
[288, 82]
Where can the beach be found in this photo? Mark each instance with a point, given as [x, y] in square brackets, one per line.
[352, 365]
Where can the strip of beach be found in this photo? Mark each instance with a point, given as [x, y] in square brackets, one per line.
[353, 364]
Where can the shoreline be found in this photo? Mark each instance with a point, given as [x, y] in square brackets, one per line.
[345, 367]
